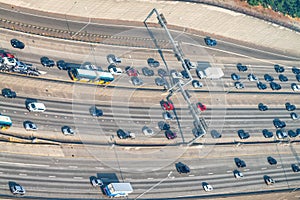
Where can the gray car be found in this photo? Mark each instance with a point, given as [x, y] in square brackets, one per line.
[136, 81]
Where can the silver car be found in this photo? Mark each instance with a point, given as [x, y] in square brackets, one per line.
[30, 126]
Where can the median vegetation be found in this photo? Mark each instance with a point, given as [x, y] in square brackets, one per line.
[287, 7]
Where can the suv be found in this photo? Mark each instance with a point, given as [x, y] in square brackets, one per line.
[8, 93]
[278, 68]
[268, 78]
[189, 64]
[112, 59]
[289, 106]
[17, 44]
[275, 86]
[36, 107]
[163, 125]
[243, 135]
[262, 107]
[295, 168]
[17, 189]
[124, 135]
[46, 62]
[278, 123]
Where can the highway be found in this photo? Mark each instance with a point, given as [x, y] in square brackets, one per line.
[65, 173]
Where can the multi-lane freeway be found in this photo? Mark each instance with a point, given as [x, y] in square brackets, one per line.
[61, 168]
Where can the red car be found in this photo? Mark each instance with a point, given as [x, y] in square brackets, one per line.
[6, 54]
[166, 105]
[132, 72]
[201, 106]
[170, 134]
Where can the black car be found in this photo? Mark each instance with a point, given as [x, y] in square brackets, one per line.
[298, 77]
[185, 74]
[163, 125]
[262, 107]
[123, 135]
[235, 77]
[292, 134]
[241, 68]
[239, 85]
[182, 168]
[215, 134]
[275, 86]
[278, 123]
[267, 133]
[17, 44]
[294, 115]
[243, 135]
[189, 64]
[239, 163]
[147, 72]
[160, 81]
[162, 72]
[289, 106]
[298, 131]
[152, 62]
[209, 41]
[61, 65]
[8, 93]
[261, 86]
[296, 70]
[94, 111]
[295, 168]
[278, 68]
[46, 62]
[271, 160]
[268, 78]
[282, 78]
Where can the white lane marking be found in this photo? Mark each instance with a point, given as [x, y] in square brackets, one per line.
[263, 168]
[210, 173]
[278, 167]
[23, 164]
[191, 175]
[229, 171]
[149, 178]
[51, 176]
[77, 177]
[99, 167]
[22, 174]
[246, 170]
[73, 167]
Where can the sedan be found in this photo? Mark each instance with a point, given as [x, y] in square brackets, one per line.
[207, 187]
[296, 70]
[185, 74]
[215, 134]
[17, 44]
[209, 41]
[46, 62]
[67, 130]
[278, 68]
[271, 160]
[268, 78]
[196, 84]
[295, 168]
[201, 106]
[298, 77]
[147, 131]
[268, 180]
[130, 71]
[168, 116]
[241, 68]
[275, 86]
[283, 78]
[239, 163]
[289, 106]
[235, 77]
[170, 134]
[295, 87]
[163, 126]
[261, 86]
[30, 126]
[281, 134]
[10, 61]
[239, 85]
[17, 189]
[8, 93]
[182, 168]
[267, 133]
[124, 135]
[94, 111]
[278, 123]
[237, 174]
[162, 72]
[292, 134]
[152, 62]
[243, 135]
[136, 81]
[252, 77]
[160, 81]
[96, 182]
[147, 72]
[166, 105]
[262, 107]
[294, 116]
[189, 64]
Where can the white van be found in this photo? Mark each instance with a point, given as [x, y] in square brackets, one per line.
[36, 107]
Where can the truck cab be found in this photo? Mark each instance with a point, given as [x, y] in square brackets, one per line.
[118, 189]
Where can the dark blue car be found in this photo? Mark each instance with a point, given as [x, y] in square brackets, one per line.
[209, 41]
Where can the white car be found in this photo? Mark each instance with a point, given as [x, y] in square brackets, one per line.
[237, 174]
[9, 61]
[30, 126]
[147, 131]
[115, 71]
[96, 182]
[36, 107]
[295, 87]
[207, 187]
[17, 189]
[176, 75]
[168, 116]
[197, 84]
